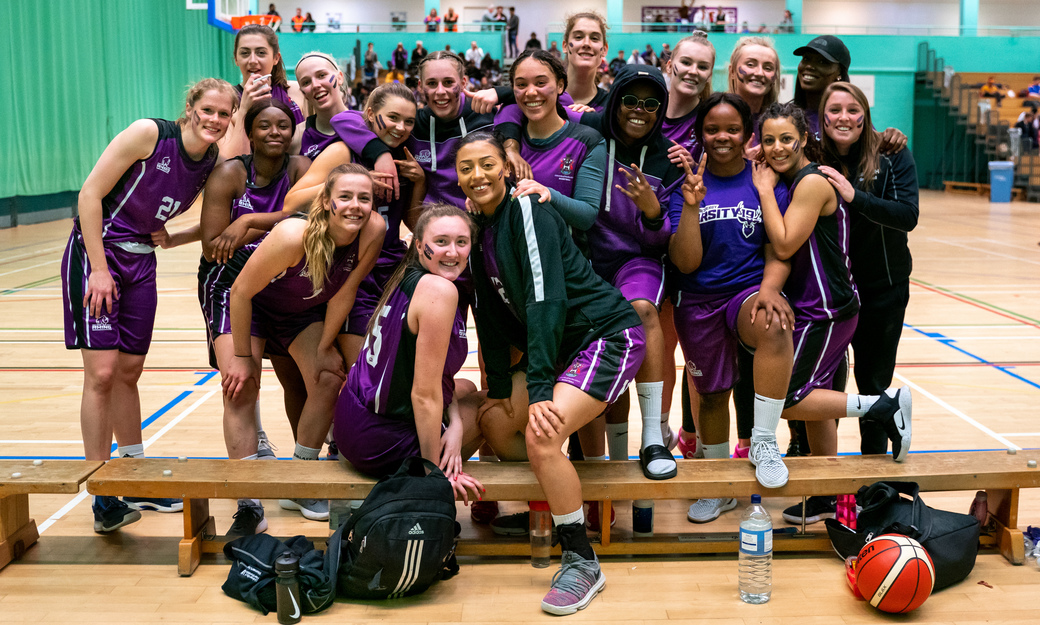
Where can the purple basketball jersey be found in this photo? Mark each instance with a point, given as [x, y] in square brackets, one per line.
[291, 292]
[680, 130]
[154, 190]
[314, 141]
[382, 376]
[556, 165]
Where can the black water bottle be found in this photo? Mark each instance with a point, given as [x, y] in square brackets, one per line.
[287, 566]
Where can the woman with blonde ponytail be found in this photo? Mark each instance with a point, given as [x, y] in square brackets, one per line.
[296, 291]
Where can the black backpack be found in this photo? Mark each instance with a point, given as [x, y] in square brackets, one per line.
[950, 538]
[402, 538]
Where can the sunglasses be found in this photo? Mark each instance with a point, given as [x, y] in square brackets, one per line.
[650, 105]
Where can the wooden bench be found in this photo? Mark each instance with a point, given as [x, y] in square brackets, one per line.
[1000, 474]
[966, 188]
[17, 530]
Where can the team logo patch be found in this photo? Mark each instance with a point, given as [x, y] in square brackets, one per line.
[164, 165]
[567, 166]
[244, 203]
[424, 156]
[101, 324]
[574, 371]
[694, 371]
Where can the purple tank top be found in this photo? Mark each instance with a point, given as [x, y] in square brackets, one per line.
[291, 292]
[680, 130]
[279, 93]
[154, 190]
[269, 198]
[382, 376]
[314, 141]
[820, 286]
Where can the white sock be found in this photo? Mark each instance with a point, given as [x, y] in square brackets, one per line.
[858, 405]
[649, 394]
[617, 440]
[305, 453]
[577, 516]
[602, 458]
[666, 429]
[767, 416]
[134, 451]
[716, 452]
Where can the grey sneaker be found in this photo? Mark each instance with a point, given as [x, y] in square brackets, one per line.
[770, 470]
[707, 510]
[264, 447]
[248, 520]
[313, 509]
[574, 586]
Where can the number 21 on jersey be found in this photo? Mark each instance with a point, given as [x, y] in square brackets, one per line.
[167, 208]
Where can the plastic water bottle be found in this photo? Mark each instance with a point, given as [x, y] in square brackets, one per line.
[541, 534]
[756, 553]
[287, 590]
[846, 510]
[643, 518]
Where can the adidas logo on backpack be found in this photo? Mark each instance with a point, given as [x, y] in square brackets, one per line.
[415, 530]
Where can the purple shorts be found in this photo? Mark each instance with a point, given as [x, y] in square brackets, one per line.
[819, 347]
[374, 444]
[215, 282]
[707, 329]
[281, 330]
[128, 327]
[641, 278]
[605, 368]
[369, 292]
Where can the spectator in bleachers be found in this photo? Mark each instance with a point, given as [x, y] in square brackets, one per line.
[1034, 89]
[400, 58]
[635, 59]
[533, 43]
[487, 21]
[1027, 123]
[786, 24]
[744, 29]
[500, 19]
[418, 54]
[308, 23]
[371, 66]
[650, 57]
[297, 21]
[617, 63]
[993, 89]
[276, 24]
[512, 29]
[433, 21]
[666, 53]
[719, 26]
[451, 18]
[684, 16]
[475, 54]
[553, 50]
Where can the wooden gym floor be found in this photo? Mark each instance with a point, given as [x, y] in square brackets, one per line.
[969, 349]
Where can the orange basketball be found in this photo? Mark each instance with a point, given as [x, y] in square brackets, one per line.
[894, 573]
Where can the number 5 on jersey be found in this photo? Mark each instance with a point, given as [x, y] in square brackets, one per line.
[374, 340]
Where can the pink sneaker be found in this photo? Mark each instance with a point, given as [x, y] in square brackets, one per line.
[688, 450]
[741, 452]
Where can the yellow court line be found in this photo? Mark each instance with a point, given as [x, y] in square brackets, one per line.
[25, 399]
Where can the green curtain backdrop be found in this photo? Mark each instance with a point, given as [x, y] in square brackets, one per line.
[77, 72]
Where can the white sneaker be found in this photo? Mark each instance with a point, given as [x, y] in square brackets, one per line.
[770, 470]
[313, 509]
[707, 510]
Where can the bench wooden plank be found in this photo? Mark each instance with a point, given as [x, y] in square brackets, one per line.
[17, 530]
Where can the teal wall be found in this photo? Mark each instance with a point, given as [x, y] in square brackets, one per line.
[891, 59]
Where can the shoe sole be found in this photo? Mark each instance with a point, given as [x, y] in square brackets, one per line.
[133, 517]
[559, 610]
[906, 409]
[659, 476]
[288, 504]
[261, 527]
[726, 507]
[148, 505]
[797, 520]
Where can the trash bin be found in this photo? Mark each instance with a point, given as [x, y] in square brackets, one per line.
[1001, 174]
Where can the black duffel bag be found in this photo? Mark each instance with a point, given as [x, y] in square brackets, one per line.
[950, 538]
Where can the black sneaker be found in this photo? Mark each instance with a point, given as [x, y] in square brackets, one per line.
[111, 514]
[249, 520]
[817, 508]
[159, 504]
[518, 524]
[892, 412]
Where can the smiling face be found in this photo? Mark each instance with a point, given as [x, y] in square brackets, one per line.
[211, 115]
[690, 69]
[843, 119]
[536, 89]
[482, 174]
[320, 83]
[816, 73]
[442, 85]
[723, 135]
[782, 145]
[755, 71]
[255, 56]
[586, 44]
[351, 205]
[636, 123]
[445, 246]
[272, 132]
[393, 122]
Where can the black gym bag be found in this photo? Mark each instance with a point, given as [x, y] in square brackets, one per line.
[950, 538]
[402, 539]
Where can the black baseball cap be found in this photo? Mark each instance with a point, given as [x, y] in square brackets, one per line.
[830, 48]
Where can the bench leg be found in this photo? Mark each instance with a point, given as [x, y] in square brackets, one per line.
[1003, 508]
[197, 522]
[604, 522]
[17, 530]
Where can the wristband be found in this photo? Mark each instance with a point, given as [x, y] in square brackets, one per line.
[241, 356]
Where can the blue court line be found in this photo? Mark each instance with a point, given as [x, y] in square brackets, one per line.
[945, 340]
